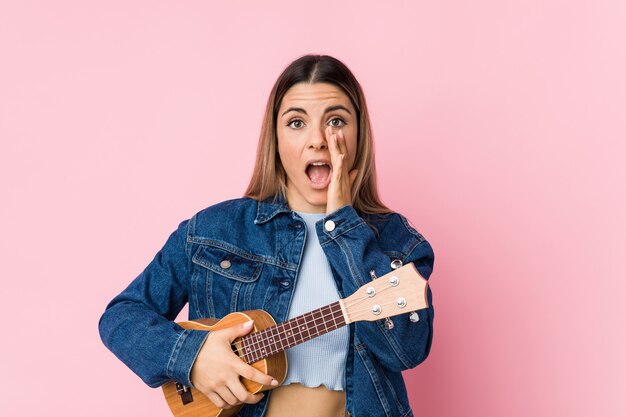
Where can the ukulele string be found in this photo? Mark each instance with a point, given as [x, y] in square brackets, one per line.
[365, 297]
[355, 301]
[266, 336]
[280, 338]
[381, 305]
[255, 350]
[239, 352]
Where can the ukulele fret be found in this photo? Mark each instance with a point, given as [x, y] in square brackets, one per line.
[292, 332]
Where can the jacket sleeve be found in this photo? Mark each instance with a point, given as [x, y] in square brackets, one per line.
[137, 324]
[353, 250]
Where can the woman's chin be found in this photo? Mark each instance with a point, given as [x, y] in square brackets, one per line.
[317, 202]
[311, 203]
[308, 198]
[318, 196]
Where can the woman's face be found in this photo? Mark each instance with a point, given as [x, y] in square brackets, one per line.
[304, 114]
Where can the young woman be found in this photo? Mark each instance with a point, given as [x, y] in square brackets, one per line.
[309, 230]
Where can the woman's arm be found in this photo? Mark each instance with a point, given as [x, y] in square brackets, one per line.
[137, 324]
[353, 250]
[137, 327]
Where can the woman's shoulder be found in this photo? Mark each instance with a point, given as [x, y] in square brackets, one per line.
[217, 221]
[392, 223]
[236, 208]
[227, 205]
[397, 236]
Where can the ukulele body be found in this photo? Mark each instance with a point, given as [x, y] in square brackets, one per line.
[189, 402]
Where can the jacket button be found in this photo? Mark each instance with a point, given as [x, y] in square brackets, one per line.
[285, 283]
[225, 264]
[396, 263]
[329, 225]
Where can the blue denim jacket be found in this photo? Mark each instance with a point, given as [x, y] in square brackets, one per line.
[264, 242]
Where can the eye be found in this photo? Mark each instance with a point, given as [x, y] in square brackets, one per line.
[337, 122]
[296, 123]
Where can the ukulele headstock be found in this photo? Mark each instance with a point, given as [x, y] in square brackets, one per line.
[400, 291]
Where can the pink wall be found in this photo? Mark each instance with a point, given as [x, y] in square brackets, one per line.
[500, 130]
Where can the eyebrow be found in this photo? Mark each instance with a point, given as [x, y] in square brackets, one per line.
[328, 109]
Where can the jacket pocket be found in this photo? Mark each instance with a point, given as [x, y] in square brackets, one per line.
[228, 264]
[227, 280]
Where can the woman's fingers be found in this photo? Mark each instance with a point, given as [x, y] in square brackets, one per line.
[341, 142]
[332, 145]
[217, 400]
[336, 156]
[255, 398]
[337, 141]
[234, 393]
[226, 395]
[253, 374]
[237, 388]
[343, 150]
[221, 396]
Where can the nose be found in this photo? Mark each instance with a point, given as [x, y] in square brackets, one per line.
[317, 139]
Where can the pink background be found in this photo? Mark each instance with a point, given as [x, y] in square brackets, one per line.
[500, 129]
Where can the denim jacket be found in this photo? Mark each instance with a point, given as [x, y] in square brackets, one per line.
[264, 243]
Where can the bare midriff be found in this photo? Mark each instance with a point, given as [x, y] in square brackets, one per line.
[298, 400]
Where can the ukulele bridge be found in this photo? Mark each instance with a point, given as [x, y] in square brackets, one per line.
[185, 393]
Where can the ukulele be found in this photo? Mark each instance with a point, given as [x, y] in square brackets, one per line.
[400, 291]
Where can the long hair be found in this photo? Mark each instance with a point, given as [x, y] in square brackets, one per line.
[269, 178]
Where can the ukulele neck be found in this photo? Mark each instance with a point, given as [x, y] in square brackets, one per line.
[285, 335]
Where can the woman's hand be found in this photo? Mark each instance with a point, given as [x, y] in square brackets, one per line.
[341, 181]
[217, 369]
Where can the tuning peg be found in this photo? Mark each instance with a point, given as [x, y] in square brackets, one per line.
[414, 317]
[388, 323]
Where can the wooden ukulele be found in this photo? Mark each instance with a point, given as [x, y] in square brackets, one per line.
[400, 291]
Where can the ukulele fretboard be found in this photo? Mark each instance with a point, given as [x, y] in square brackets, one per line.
[272, 340]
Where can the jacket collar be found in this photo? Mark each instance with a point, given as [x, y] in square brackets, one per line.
[270, 207]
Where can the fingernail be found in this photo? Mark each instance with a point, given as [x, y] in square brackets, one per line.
[248, 324]
[274, 382]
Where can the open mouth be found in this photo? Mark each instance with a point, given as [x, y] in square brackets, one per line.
[319, 174]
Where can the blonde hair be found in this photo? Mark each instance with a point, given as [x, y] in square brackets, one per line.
[269, 178]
